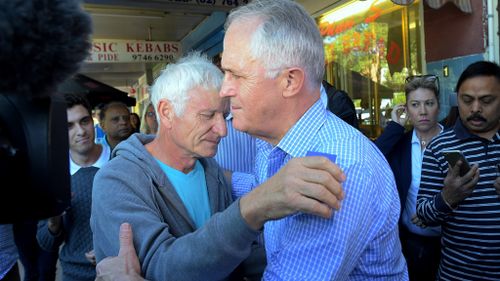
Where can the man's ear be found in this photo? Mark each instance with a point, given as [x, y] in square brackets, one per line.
[165, 113]
[293, 81]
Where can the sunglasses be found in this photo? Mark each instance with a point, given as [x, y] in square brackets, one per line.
[427, 77]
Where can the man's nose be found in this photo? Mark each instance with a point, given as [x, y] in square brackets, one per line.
[476, 106]
[220, 127]
[227, 89]
[79, 130]
[124, 120]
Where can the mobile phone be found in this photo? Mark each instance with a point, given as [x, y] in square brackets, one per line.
[452, 156]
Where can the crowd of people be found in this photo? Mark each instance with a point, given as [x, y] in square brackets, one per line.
[253, 171]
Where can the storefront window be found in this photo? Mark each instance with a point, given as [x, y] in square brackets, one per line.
[370, 48]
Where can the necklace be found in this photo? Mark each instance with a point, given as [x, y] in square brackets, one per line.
[423, 142]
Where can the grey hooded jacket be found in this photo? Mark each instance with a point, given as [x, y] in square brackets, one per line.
[133, 188]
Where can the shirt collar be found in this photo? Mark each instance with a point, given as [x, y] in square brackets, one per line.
[323, 96]
[463, 133]
[460, 131]
[414, 138]
[103, 159]
[295, 142]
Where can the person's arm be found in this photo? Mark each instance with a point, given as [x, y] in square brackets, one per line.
[496, 184]
[308, 184]
[210, 252]
[358, 240]
[441, 191]
[311, 185]
[431, 208]
[51, 233]
[214, 250]
[393, 132]
[391, 135]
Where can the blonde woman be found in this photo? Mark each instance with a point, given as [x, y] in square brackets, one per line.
[404, 152]
[149, 124]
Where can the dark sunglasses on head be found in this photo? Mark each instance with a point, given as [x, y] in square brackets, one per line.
[427, 77]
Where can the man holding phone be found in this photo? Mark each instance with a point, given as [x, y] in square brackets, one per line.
[465, 202]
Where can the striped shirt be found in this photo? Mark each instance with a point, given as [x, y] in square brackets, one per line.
[470, 243]
[236, 151]
[360, 241]
[8, 250]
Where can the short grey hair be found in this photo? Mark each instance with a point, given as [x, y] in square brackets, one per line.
[287, 37]
[177, 79]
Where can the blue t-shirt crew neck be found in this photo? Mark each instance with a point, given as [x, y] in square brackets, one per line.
[192, 189]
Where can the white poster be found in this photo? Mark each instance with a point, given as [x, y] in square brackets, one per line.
[109, 51]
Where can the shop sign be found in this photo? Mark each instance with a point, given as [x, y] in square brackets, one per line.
[109, 51]
[342, 38]
[217, 3]
[335, 28]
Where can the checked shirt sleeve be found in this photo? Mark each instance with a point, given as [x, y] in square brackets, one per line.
[242, 184]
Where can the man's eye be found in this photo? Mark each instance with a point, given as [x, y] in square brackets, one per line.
[207, 115]
[414, 104]
[231, 75]
[466, 99]
[487, 100]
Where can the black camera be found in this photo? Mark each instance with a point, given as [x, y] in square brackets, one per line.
[42, 43]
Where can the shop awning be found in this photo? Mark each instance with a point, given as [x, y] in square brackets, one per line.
[464, 5]
[95, 91]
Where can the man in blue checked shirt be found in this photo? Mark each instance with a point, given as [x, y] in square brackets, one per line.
[274, 62]
[236, 151]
